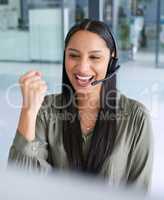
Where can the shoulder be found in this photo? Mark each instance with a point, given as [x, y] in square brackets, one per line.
[135, 117]
[133, 107]
[51, 104]
[53, 100]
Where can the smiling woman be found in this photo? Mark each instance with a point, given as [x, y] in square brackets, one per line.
[86, 63]
[89, 129]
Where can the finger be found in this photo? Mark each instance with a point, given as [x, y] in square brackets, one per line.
[38, 89]
[37, 84]
[43, 88]
[38, 73]
[29, 80]
[29, 74]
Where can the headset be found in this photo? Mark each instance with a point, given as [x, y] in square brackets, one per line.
[113, 64]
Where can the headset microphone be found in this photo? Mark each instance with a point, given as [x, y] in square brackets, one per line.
[107, 77]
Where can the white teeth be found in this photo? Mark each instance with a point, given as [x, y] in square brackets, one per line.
[83, 77]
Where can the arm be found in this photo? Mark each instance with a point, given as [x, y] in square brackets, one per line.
[141, 153]
[29, 149]
[31, 155]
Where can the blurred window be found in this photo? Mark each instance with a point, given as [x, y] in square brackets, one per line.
[4, 1]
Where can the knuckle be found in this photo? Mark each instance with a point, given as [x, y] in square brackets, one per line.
[26, 82]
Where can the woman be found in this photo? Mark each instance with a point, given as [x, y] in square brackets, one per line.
[89, 128]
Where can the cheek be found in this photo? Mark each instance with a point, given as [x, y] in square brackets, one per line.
[68, 66]
[106, 66]
[105, 69]
[102, 70]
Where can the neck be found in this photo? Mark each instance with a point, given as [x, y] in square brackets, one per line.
[88, 101]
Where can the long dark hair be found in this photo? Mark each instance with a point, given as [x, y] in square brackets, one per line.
[104, 134]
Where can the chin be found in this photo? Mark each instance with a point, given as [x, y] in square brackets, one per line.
[83, 90]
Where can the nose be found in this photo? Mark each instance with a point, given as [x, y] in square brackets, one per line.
[83, 65]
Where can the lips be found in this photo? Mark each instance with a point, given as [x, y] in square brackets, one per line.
[84, 78]
[84, 81]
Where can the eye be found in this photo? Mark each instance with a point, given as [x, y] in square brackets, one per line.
[95, 57]
[74, 55]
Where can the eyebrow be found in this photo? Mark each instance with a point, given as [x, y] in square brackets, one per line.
[94, 51]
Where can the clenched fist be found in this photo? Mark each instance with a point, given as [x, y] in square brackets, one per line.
[33, 89]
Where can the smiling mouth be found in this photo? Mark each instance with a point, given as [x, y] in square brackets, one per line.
[84, 80]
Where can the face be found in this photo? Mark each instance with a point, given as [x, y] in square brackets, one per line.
[86, 60]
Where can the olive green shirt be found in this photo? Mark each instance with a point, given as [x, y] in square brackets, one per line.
[131, 158]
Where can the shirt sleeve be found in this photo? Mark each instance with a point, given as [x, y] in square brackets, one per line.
[31, 155]
[141, 153]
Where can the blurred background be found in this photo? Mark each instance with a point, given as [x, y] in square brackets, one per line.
[32, 35]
